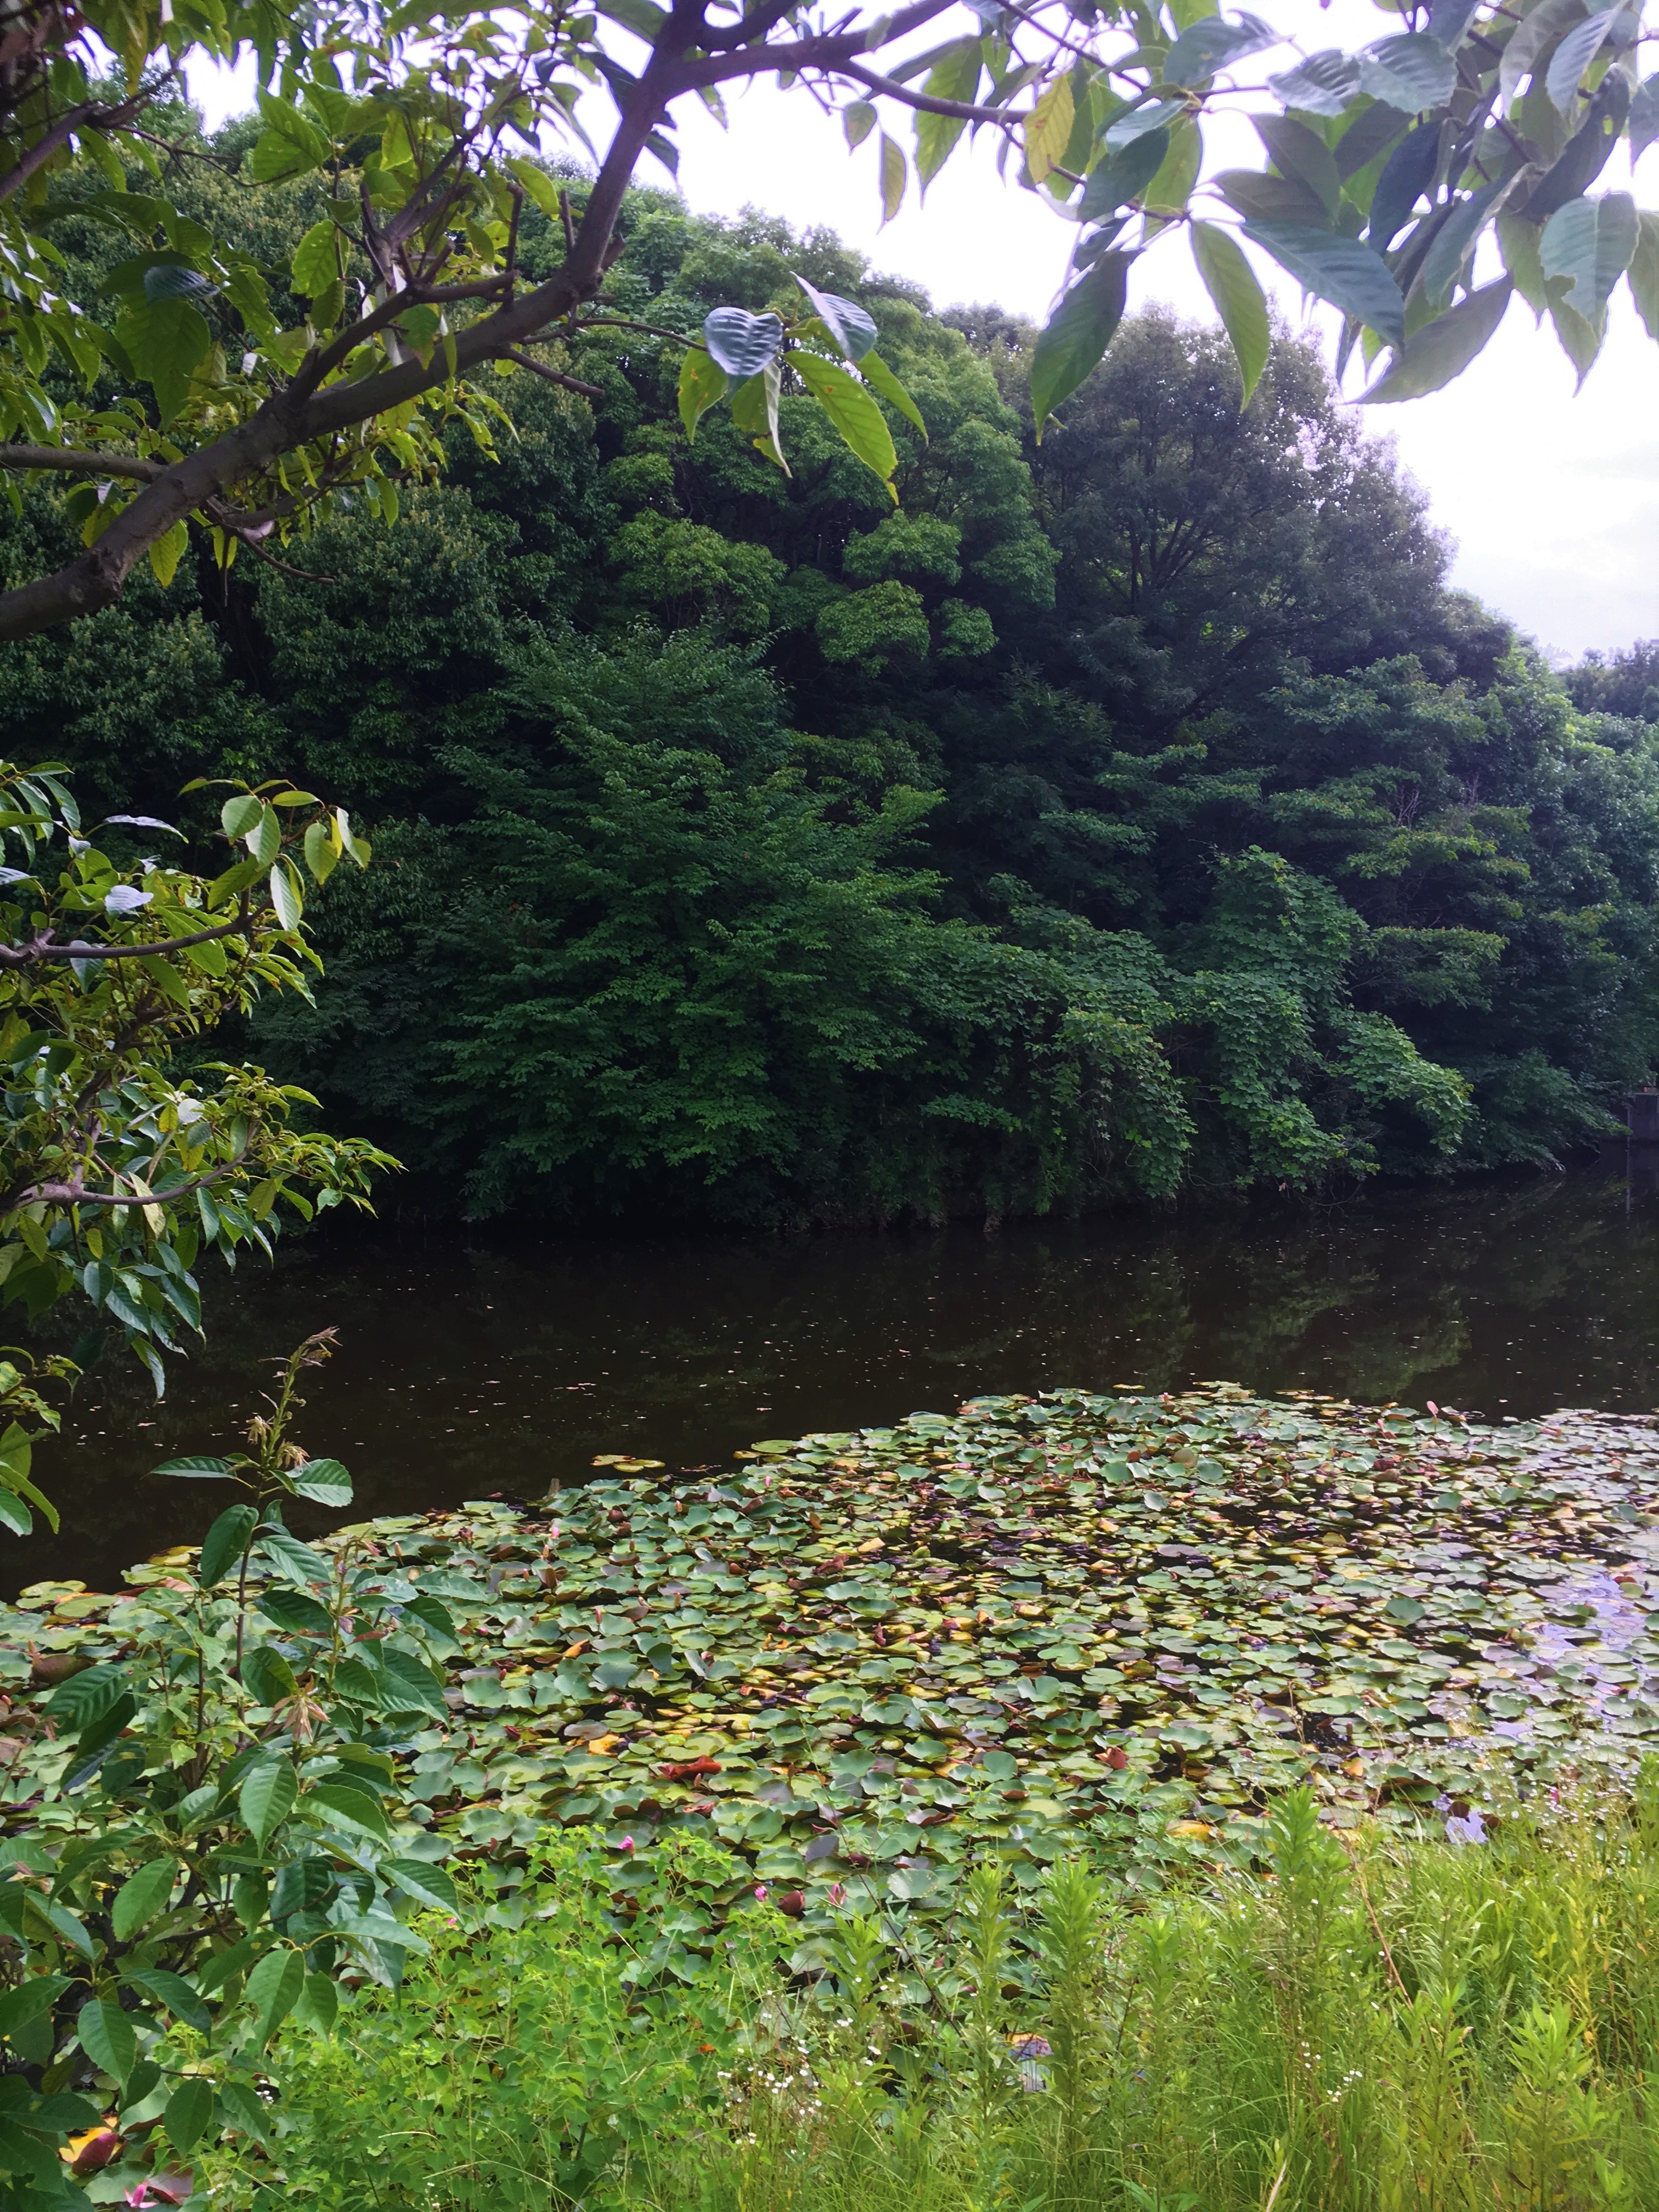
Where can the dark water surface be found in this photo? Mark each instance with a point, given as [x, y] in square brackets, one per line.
[472, 1364]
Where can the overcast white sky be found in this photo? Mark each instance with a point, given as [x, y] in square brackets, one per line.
[1552, 501]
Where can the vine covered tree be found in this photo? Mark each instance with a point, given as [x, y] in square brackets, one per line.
[202, 384]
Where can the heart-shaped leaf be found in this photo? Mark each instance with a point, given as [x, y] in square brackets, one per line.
[743, 344]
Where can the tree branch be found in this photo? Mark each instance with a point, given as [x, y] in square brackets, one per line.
[966, 110]
[73, 460]
[308, 410]
[553, 375]
[73, 1193]
[37, 949]
[74, 119]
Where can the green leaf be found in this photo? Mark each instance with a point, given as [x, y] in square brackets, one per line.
[1643, 275]
[881, 379]
[1323, 84]
[85, 1697]
[286, 895]
[1122, 175]
[754, 411]
[1078, 332]
[108, 2037]
[852, 329]
[1443, 348]
[1528, 42]
[273, 1988]
[1046, 130]
[643, 17]
[892, 178]
[323, 1481]
[406, 1686]
[428, 1885]
[189, 2109]
[167, 341]
[1300, 153]
[290, 146]
[1340, 270]
[29, 2000]
[265, 840]
[292, 1609]
[1212, 44]
[1589, 242]
[239, 815]
[1411, 72]
[224, 1543]
[1574, 54]
[1407, 176]
[338, 1802]
[240, 2109]
[142, 1896]
[266, 1797]
[318, 2003]
[743, 344]
[955, 75]
[1238, 300]
[167, 551]
[194, 1470]
[1644, 118]
[172, 1992]
[317, 259]
[851, 407]
[858, 120]
[320, 856]
[702, 384]
[1404, 1608]
[268, 1677]
[433, 1616]
[295, 1562]
[1581, 339]
[1455, 241]
[1518, 241]
[542, 189]
[1262, 198]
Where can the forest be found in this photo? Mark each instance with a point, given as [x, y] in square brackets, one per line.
[1134, 812]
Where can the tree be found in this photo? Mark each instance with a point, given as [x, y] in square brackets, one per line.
[116, 1168]
[247, 397]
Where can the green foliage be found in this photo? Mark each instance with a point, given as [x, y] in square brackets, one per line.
[218, 1832]
[763, 852]
[1361, 2020]
[196, 384]
[115, 1169]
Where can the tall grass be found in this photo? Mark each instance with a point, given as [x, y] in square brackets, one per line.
[1367, 2024]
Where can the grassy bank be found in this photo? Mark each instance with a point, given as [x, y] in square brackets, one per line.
[1362, 2025]
[775, 1732]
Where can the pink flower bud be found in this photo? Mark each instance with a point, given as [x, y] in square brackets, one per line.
[628, 1842]
[760, 1891]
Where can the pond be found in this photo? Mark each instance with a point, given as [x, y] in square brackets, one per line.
[470, 1365]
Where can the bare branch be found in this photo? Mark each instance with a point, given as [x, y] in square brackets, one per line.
[38, 949]
[75, 1194]
[73, 460]
[966, 110]
[553, 375]
[91, 114]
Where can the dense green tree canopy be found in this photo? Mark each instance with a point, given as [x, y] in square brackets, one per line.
[205, 377]
[1131, 810]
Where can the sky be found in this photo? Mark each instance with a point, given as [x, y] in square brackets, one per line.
[1551, 499]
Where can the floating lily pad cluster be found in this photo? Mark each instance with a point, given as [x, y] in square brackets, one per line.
[864, 1658]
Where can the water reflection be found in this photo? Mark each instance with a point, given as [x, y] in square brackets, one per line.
[470, 1365]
